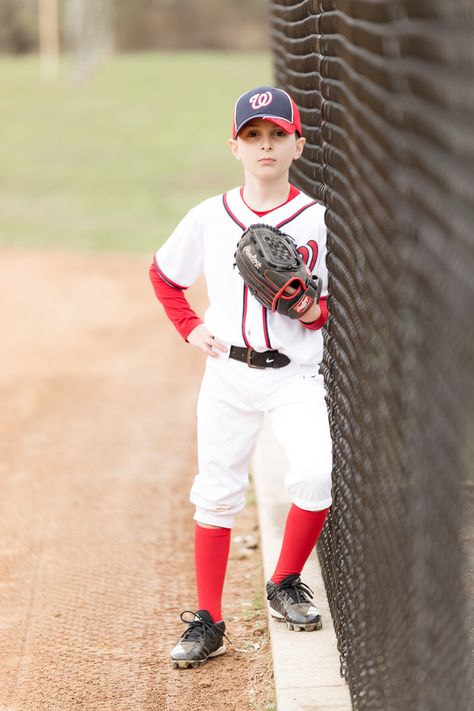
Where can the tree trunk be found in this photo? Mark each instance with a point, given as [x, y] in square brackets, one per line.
[48, 30]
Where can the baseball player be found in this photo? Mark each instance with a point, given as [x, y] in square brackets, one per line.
[258, 361]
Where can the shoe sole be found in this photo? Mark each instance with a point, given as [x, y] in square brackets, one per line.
[294, 626]
[194, 663]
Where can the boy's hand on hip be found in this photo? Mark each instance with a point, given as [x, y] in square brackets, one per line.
[202, 339]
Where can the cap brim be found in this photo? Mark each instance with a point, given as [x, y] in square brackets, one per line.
[285, 125]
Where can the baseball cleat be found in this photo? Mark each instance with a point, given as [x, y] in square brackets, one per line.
[201, 641]
[290, 602]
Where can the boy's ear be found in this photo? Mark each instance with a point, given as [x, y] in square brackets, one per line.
[299, 147]
[234, 148]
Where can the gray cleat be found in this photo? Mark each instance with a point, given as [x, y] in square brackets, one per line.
[201, 641]
[290, 601]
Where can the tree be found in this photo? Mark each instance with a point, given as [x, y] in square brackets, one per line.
[48, 33]
[88, 34]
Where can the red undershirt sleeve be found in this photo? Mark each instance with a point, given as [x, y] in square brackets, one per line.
[319, 323]
[175, 304]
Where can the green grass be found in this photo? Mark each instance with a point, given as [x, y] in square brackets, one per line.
[258, 602]
[114, 163]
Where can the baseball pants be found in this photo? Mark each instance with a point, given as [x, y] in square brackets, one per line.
[232, 403]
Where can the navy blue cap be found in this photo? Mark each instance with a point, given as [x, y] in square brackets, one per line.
[266, 102]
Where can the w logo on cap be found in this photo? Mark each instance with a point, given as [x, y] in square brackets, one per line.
[258, 101]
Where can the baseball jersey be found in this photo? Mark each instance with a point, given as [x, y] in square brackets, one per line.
[204, 242]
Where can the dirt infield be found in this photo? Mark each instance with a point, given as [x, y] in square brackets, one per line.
[97, 455]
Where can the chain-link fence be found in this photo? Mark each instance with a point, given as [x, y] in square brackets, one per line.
[386, 92]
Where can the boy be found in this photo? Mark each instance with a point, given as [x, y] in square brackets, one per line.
[258, 361]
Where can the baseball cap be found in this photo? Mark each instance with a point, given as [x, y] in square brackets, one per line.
[270, 103]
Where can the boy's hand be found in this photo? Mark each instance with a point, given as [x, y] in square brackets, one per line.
[202, 339]
[312, 314]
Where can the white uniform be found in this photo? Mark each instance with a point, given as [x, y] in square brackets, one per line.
[234, 397]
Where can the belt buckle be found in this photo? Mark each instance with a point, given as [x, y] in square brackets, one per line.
[249, 360]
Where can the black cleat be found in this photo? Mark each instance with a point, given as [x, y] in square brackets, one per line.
[202, 640]
[290, 601]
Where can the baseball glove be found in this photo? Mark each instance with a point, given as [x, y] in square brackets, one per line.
[274, 271]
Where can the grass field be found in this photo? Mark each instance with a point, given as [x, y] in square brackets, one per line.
[113, 164]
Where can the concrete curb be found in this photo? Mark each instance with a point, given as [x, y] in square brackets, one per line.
[306, 664]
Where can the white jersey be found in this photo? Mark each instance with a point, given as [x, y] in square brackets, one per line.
[204, 242]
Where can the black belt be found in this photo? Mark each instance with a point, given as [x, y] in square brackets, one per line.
[256, 359]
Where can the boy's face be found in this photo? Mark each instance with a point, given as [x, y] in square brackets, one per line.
[265, 149]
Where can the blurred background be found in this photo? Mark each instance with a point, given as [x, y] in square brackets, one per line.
[115, 115]
[114, 121]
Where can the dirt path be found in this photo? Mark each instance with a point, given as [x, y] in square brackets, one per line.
[97, 455]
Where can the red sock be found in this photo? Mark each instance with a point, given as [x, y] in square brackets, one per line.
[211, 551]
[302, 531]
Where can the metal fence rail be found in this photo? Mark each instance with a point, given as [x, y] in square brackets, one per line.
[386, 92]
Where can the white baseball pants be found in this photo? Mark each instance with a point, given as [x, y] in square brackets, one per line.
[231, 406]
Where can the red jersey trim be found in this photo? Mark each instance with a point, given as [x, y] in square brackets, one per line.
[292, 193]
[245, 292]
[244, 314]
[230, 213]
[265, 327]
[292, 217]
[165, 278]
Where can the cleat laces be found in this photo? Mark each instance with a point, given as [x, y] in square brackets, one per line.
[196, 626]
[296, 589]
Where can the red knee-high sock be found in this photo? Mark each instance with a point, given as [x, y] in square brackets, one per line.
[302, 531]
[211, 552]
